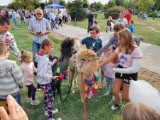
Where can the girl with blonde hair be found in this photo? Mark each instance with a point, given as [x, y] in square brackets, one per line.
[139, 111]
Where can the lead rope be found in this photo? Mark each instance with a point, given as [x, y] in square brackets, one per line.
[83, 97]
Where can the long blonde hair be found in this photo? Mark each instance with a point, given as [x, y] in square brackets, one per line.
[139, 111]
[129, 44]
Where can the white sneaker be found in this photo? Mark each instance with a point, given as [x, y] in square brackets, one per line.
[106, 94]
[35, 102]
[116, 106]
[54, 111]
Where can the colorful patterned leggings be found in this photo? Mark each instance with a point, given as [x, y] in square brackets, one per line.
[48, 99]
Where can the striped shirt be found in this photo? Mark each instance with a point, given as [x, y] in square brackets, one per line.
[39, 26]
[10, 78]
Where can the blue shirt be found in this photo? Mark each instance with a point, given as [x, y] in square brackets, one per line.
[92, 44]
[131, 28]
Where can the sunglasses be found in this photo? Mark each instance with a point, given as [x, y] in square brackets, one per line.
[93, 33]
[38, 14]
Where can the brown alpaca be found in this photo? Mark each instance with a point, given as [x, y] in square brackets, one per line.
[87, 65]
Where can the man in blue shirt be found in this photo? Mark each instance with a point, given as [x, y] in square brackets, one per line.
[93, 42]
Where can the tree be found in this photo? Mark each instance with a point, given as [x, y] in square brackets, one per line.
[145, 5]
[62, 2]
[85, 3]
[76, 10]
[96, 6]
[26, 4]
[111, 3]
[157, 5]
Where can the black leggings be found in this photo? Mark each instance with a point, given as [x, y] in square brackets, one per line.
[31, 91]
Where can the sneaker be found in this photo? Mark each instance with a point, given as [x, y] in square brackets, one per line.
[29, 100]
[116, 106]
[35, 102]
[106, 94]
[54, 111]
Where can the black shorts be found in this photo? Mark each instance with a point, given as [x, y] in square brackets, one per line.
[126, 77]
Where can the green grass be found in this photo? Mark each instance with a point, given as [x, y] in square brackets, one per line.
[148, 31]
[98, 107]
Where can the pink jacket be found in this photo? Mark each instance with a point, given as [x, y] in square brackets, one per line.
[28, 69]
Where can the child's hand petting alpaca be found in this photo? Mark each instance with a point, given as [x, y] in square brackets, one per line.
[55, 61]
[55, 77]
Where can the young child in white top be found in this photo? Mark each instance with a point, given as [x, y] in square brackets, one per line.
[109, 73]
[28, 69]
[45, 76]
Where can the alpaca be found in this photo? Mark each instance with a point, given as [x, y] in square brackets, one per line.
[87, 65]
[69, 48]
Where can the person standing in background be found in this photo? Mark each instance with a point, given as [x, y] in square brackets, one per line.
[90, 20]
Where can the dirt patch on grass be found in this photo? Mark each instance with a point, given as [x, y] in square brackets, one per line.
[149, 76]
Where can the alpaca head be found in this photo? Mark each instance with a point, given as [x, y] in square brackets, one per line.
[86, 61]
[69, 46]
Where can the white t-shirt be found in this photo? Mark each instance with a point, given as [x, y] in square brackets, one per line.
[123, 20]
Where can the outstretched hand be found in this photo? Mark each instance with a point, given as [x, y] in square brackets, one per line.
[15, 111]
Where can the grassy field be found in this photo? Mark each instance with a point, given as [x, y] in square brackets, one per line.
[98, 107]
[148, 31]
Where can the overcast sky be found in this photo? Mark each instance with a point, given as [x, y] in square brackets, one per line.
[6, 2]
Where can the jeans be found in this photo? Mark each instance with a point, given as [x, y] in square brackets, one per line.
[18, 99]
[31, 91]
[35, 48]
[109, 83]
[14, 21]
[89, 25]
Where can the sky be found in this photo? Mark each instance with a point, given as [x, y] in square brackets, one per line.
[6, 2]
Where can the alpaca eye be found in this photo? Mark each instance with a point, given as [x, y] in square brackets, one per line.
[83, 59]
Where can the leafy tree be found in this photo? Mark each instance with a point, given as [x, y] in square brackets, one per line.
[76, 10]
[96, 6]
[62, 2]
[26, 4]
[157, 5]
[85, 3]
[145, 5]
[111, 3]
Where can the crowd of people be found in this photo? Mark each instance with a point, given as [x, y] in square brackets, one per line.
[120, 61]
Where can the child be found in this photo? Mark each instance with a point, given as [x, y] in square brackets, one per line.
[139, 111]
[109, 24]
[11, 77]
[129, 58]
[28, 69]
[109, 73]
[93, 42]
[44, 76]
[102, 57]
[131, 27]
[113, 40]
[69, 19]
[96, 24]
